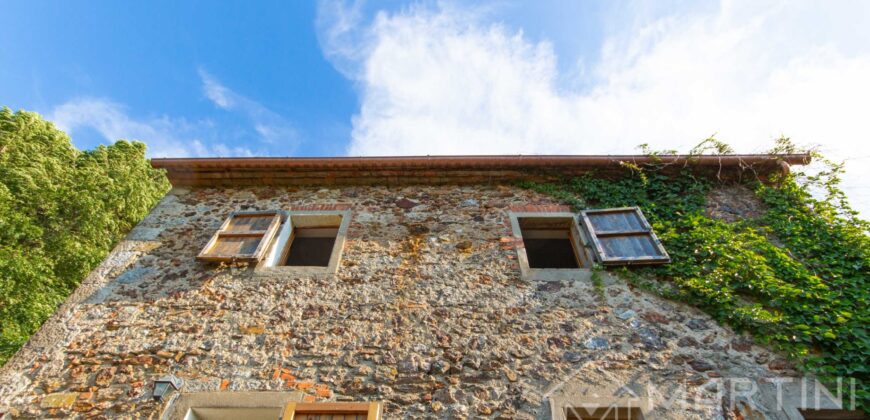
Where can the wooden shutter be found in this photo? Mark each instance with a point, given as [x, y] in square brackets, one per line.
[333, 411]
[244, 236]
[623, 237]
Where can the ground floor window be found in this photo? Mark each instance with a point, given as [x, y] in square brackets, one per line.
[264, 405]
[603, 413]
[832, 414]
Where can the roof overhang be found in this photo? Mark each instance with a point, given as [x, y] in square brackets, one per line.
[404, 170]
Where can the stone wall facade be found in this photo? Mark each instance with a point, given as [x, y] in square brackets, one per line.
[428, 313]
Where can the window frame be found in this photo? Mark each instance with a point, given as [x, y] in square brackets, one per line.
[187, 405]
[604, 413]
[598, 247]
[560, 406]
[281, 242]
[373, 410]
[266, 237]
[578, 241]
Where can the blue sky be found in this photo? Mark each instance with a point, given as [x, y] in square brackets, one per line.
[321, 78]
[148, 58]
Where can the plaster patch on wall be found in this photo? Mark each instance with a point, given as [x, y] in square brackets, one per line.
[141, 233]
[134, 275]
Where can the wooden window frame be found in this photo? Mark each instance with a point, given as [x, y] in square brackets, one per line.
[579, 242]
[562, 407]
[279, 246]
[646, 230]
[265, 236]
[373, 410]
[604, 413]
[573, 236]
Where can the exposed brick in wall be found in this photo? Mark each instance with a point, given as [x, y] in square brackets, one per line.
[540, 208]
[321, 207]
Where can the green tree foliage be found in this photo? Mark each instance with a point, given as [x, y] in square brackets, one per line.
[797, 277]
[61, 211]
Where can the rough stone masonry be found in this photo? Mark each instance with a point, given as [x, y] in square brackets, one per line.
[427, 313]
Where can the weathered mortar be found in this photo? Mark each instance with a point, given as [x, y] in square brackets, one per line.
[415, 317]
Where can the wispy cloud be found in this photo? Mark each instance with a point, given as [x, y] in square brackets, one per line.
[217, 93]
[168, 136]
[271, 127]
[446, 80]
[339, 31]
[165, 136]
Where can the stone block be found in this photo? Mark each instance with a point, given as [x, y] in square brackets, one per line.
[59, 400]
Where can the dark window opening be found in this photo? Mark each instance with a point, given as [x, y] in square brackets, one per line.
[550, 253]
[550, 243]
[311, 247]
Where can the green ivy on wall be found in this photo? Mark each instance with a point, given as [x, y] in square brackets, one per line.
[61, 211]
[796, 277]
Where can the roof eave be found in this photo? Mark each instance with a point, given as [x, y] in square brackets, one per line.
[447, 169]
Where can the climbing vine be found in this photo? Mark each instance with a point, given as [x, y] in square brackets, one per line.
[796, 277]
[61, 211]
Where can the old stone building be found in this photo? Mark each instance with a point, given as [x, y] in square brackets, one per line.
[392, 288]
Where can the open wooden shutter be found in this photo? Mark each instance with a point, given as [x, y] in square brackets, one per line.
[333, 411]
[244, 236]
[622, 236]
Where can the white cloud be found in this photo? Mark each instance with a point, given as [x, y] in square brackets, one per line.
[176, 137]
[446, 81]
[338, 30]
[271, 127]
[214, 91]
[165, 137]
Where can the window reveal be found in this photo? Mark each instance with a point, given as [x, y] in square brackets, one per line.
[311, 247]
[550, 242]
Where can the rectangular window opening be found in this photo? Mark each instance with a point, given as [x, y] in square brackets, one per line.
[312, 241]
[603, 413]
[265, 406]
[333, 411]
[249, 413]
[550, 242]
[311, 247]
